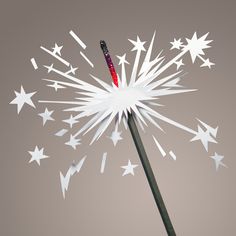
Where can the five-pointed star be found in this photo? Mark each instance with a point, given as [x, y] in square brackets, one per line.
[115, 137]
[57, 49]
[122, 59]
[204, 136]
[56, 86]
[71, 121]
[179, 63]
[129, 169]
[207, 63]
[138, 45]
[176, 44]
[46, 115]
[37, 155]
[73, 142]
[217, 158]
[22, 98]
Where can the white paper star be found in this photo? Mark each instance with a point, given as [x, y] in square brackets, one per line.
[46, 115]
[71, 121]
[196, 45]
[204, 136]
[57, 49]
[122, 59]
[115, 137]
[138, 45]
[207, 63]
[176, 44]
[179, 63]
[217, 158]
[129, 169]
[37, 155]
[73, 142]
[22, 98]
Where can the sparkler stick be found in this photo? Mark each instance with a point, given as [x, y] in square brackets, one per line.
[142, 153]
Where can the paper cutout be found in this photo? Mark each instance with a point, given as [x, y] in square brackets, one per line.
[37, 155]
[218, 160]
[172, 155]
[46, 115]
[21, 98]
[129, 169]
[34, 64]
[65, 180]
[77, 39]
[61, 132]
[86, 59]
[103, 164]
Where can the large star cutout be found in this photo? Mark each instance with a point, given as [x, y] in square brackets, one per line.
[71, 121]
[73, 142]
[196, 45]
[115, 137]
[57, 49]
[138, 45]
[217, 158]
[176, 44]
[122, 59]
[37, 155]
[46, 115]
[129, 169]
[22, 98]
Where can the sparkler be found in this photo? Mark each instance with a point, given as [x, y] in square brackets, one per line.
[142, 153]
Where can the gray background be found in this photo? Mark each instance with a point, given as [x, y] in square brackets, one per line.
[200, 200]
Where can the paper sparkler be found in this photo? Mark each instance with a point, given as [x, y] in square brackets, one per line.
[129, 101]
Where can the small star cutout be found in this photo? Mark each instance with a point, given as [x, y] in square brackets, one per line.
[46, 115]
[73, 142]
[57, 49]
[218, 160]
[129, 169]
[177, 44]
[37, 155]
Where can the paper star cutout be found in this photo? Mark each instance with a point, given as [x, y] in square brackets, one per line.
[217, 158]
[204, 136]
[73, 142]
[57, 49]
[50, 68]
[196, 45]
[72, 70]
[129, 169]
[37, 155]
[71, 121]
[176, 44]
[179, 63]
[122, 59]
[22, 98]
[56, 86]
[207, 63]
[115, 137]
[46, 115]
[138, 45]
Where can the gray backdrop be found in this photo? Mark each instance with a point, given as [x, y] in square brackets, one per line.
[200, 200]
